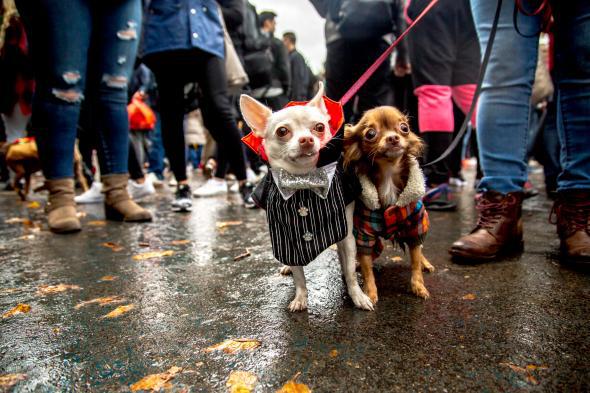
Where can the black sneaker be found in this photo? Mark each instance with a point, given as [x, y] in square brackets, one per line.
[246, 192]
[183, 201]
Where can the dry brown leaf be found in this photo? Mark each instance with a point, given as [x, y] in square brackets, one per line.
[469, 296]
[241, 382]
[18, 309]
[108, 278]
[242, 255]
[180, 242]
[9, 380]
[233, 346]
[153, 254]
[113, 246]
[397, 259]
[119, 311]
[34, 205]
[156, 382]
[224, 224]
[51, 289]
[294, 387]
[97, 223]
[333, 353]
[101, 301]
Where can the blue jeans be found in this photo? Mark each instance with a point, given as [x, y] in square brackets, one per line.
[503, 113]
[82, 50]
[156, 150]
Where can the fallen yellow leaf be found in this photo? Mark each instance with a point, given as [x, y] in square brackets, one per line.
[9, 380]
[293, 387]
[51, 289]
[179, 242]
[18, 309]
[108, 278]
[97, 223]
[102, 301]
[113, 246]
[119, 311]
[56, 330]
[333, 353]
[34, 205]
[153, 254]
[397, 259]
[224, 224]
[514, 367]
[233, 346]
[469, 296]
[156, 382]
[241, 382]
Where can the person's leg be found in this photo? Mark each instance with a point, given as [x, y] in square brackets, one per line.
[59, 34]
[114, 45]
[502, 129]
[156, 150]
[572, 36]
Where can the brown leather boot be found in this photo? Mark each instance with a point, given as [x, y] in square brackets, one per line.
[61, 208]
[572, 216]
[118, 205]
[498, 230]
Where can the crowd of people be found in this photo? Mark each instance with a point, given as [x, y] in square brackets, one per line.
[74, 70]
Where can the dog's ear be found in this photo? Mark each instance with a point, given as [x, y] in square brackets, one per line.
[416, 145]
[255, 113]
[318, 100]
[352, 148]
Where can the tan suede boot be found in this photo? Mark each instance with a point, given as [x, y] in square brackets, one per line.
[118, 205]
[61, 208]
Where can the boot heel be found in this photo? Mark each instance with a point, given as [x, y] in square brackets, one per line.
[112, 213]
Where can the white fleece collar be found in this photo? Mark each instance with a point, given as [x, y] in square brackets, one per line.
[414, 190]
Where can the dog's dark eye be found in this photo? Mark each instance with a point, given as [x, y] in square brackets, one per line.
[319, 128]
[404, 128]
[370, 134]
[282, 132]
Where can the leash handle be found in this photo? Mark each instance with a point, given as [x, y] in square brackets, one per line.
[482, 72]
[371, 70]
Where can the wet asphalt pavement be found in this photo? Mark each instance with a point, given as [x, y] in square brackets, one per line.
[521, 324]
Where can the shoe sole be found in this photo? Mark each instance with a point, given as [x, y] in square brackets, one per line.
[509, 250]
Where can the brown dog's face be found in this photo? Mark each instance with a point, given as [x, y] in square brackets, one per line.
[383, 134]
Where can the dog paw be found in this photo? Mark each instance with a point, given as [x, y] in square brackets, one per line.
[371, 292]
[419, 289]
[361, 300]
[298, 304]
[285, 270]
[427, 266]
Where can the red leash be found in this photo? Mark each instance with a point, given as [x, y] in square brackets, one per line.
[371, 70]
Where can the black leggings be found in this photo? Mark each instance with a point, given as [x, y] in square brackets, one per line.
[173, 70]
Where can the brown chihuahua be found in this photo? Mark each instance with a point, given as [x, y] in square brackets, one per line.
[382, 151]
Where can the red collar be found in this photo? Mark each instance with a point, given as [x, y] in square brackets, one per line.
[336, 119]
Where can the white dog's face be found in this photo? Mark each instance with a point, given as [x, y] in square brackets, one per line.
[293, 136]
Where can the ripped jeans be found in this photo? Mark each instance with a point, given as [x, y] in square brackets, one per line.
[82, 50]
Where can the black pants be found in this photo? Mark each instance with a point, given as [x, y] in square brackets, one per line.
[346, 62]
[173, 70]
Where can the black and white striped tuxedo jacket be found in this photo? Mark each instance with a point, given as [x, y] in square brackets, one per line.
[304, 225]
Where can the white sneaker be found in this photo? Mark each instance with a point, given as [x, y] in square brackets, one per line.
[212, 187]
[251, 175]
[154, 179]
[138, 191]
[93, 195]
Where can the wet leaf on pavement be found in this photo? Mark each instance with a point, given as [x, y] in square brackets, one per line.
[97, 223]
[51, 289]
[34, 205]
[243, 255]
[113, 246]
[234, 345]
[534, 367]
[179, 242]
[469, 296]
[156, 382]
[223, 225]
[241, 382]
[294, 387]
[397, 259]
[333, 353]
[153, 254]
[119, 311]
[108, 278]
[101, 301]
[9, 380]
[18, 309]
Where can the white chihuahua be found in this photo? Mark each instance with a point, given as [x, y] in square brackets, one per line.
[292, 139]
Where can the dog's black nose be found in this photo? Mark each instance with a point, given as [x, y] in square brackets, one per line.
[393, 139]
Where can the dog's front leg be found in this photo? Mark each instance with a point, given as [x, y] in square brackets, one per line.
[299, 303]
[417, 280]
[347, 256]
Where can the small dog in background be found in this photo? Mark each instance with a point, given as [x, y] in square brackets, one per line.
[307, 210]
[383, 151]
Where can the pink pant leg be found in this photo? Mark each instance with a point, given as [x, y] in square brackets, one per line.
[435, 108]
[463, 96]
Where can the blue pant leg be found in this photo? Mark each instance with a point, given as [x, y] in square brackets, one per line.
[156, 151]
